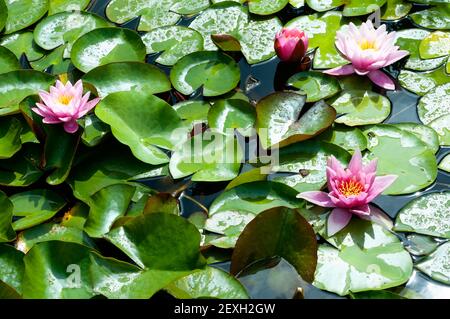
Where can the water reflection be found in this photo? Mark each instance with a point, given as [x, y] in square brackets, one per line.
[421, 286]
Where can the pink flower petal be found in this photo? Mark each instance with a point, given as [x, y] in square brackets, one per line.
[71, 127]
[356, 165]
[379, 217]
[363, 210]
[341, 70]
[379, 185]
[317, 197]
[338, 219]
[381, 79]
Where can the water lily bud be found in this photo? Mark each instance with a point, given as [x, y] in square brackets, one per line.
[291, 45]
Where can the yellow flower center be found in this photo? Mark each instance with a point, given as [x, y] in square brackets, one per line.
[367, 45]
[64, 99]
[350, 188]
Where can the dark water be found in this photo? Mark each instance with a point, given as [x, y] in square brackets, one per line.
[267, 77]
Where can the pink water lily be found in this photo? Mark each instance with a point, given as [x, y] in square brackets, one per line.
[291, 45]
[368, 49]
[351, 191]
[64, 104]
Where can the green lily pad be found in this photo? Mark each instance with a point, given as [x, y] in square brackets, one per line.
[174, 41]
[208, 283]
[50, 232]
[321, 5]
[420, 245]
[17, 85]
[20, 16]
[209, 157]
[53, 59]
[302, 166]
[279, 232]
[435, 45]
[56, 6]
[445, 163]
[232, 114]
[422, 82]
[142, 121]
[10, 133]
[361, 108]
[416, 168]
[6, 230]
[410, 40]
[65, 28]
[3, 14]
[127, 76]
[433, 111]
[215, 72]
[94, 130]
[396, 9]
[425, 133]
[22, 169]
[22, 43]
[266, 7]
[35, 207]
[154, 13]
[361, 262]
[315, 85]
[107, 45]
[426, 215]
[11, 267]
[234, 20]
[349, 138]
[147, 239]
[436, 265]
[321, 31]
[436, 18]
[193, 110]
[8, 61]
[278, 119]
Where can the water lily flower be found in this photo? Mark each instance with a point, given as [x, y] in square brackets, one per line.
[351, 191]
[64, 104]
[291, 45]
[368, 49]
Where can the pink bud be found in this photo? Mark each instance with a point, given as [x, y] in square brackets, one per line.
[291, 45]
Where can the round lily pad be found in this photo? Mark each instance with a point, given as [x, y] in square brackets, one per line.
[361, 108]
[315, 85]
[10, 133]
[436, 265]
[174, 42]
[437, 17]
[445, 163]
[396, 9]
[426, 215]
[229, 114]
[20, 16]
[425, 133]
[416, 168]
[216, 72]
[127, 76]
[106, 45]
[6, 230]
[3, 14]
[266, 7]
[435, 45]
[349, 138]
[422, 82]
[22, 43]
[8, 61]
[66, 5]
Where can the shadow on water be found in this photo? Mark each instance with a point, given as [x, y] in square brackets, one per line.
[278, 280]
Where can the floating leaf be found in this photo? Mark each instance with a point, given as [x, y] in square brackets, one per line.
[361, 108]
[154, 13]
[56, 6]
[20, 16]
[193, 110]
[6, 230]
[410, 40]
[425, 133]
[10, 133]
[416, 168]
[420, 245]
[234, 20]
[107, 45]
[437, 18]
[435, 45]
[174, 41]
[433, 109]
[143, 122]
[321, 31]
[35, 207]
[349, 138]
[209, 157]
[17, 85]
[11, 266]
[232, 114]
[215, 72]
[281, 232]
[8, 61]
[362, 262]
[94, 130]
[127, 76]
[279, 121]
[445, 164]
[208, 283]
[315, 85]
[396, 9]
[428, 214]
[22, 43]
[266, 7]
[422, 82]
[22, 169]
[3, 14]
[436, 265]
[65, 28]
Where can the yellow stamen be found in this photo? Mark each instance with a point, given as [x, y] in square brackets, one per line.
[367, 45]
[64, 99]
[350, 188]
